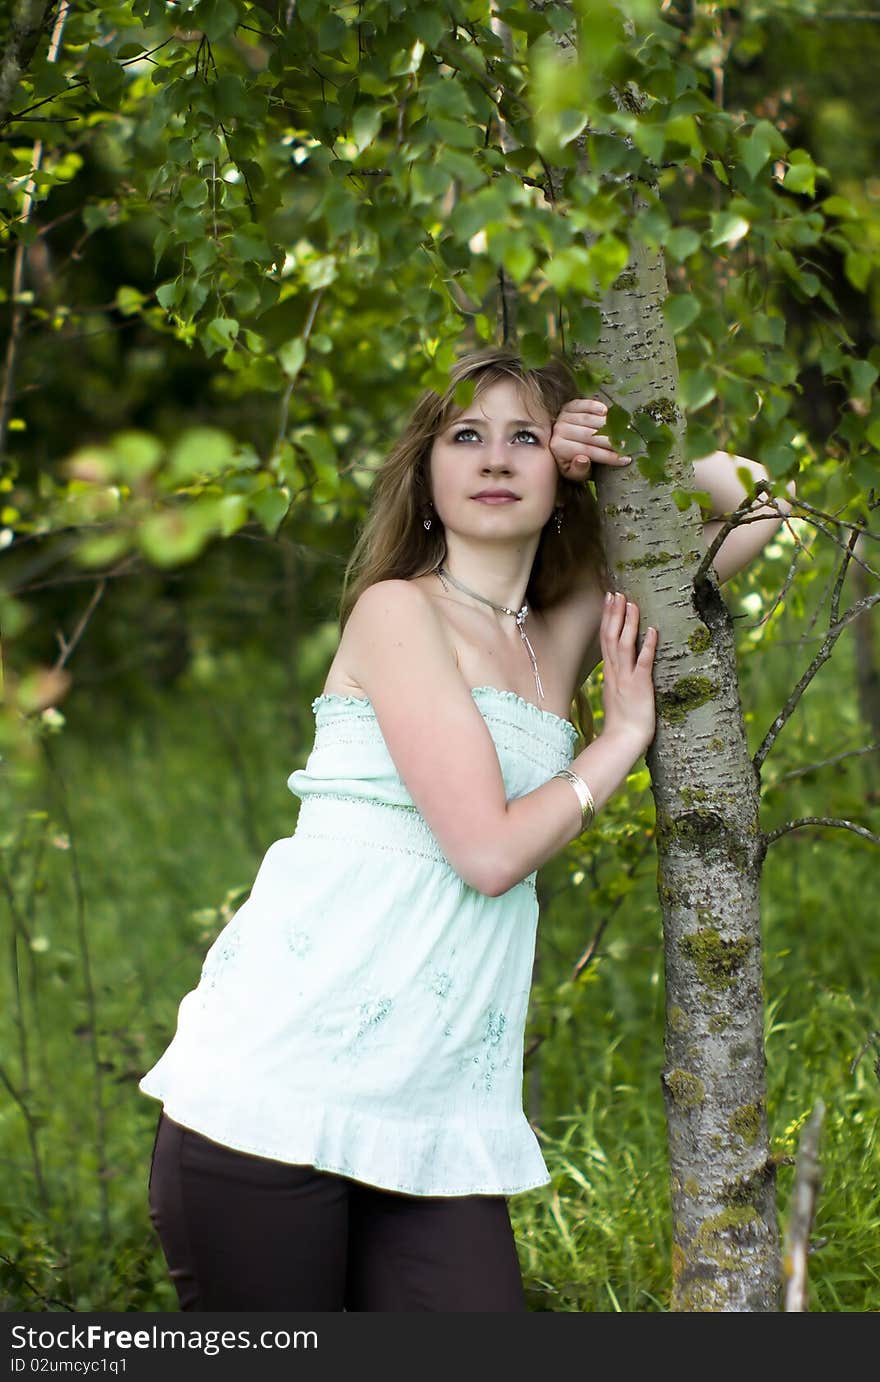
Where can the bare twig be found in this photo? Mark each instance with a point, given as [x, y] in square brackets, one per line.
[68, 645]
[822, 656]
[873, 1040]
[30, 1124]
[821, 820]
[822, 763]
[784, 589]
[285, 401]
[740, 515]
[841, 575]
[806, 1188]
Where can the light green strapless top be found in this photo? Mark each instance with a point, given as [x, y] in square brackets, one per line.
[364, 1010]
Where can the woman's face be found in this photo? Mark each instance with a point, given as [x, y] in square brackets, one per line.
[495, 444]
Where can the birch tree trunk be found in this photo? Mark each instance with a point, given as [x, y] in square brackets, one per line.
[725, 1254]
[709, 843]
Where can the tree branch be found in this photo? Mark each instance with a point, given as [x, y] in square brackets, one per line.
[823, 763]
[822, 656]
[821, 820]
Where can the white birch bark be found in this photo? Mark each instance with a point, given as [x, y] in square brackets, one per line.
[726, 1254]
[709, 845]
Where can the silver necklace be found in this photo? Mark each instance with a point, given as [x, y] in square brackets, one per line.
[518, 614]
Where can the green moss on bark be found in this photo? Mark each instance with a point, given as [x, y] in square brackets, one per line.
[679, 1020]
[700, 639]
[717, 961]
[628, 279]
[745, 1122]
[687, 1090]
[685, 695]
[649, 560]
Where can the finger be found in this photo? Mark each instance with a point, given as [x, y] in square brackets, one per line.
[629, 627]
[584, 405]
[616, 615]
[645, 658]
[608, 627]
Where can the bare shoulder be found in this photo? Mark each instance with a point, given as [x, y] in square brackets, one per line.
[378, 609]
[395, 605]
[573, 625]
[438, 741]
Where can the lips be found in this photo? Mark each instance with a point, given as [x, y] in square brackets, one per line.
[496, 494]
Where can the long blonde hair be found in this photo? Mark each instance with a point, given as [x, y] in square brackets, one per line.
[394, 543]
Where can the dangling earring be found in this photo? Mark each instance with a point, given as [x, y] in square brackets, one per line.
[557, 513]
[427, 522]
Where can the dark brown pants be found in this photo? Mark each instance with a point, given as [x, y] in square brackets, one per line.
[242, 1232]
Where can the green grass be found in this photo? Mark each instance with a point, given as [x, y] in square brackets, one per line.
[155, 828]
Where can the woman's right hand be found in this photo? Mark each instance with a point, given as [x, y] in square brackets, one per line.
[628, 687]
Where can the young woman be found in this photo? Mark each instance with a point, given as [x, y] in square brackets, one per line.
[342, 1101]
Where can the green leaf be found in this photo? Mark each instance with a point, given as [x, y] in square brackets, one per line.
[763, 142]
[857, 267]
[682, 242]
[217, 18]
[727, 228]
[680, 310]
[193, 191]
[683, 498]
[609, 256]
[219, 334]
[292, 356]
[571, 269]
[430, 25]
[840, 207]
[332, 33]
[778, 459]
[270, 507]
[170, 538]
[534, 350]
[530, 22]
[249, 242]
[233, 513]
[129, 300]
[202, 254]
[696, 388]
[135, 454]
[365, 125]
[570, 123]
[169, 294]
[200, 451]
[102, 548]
[863, 376]
[800, 177]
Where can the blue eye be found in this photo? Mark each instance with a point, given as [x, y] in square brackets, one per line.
[523, 432]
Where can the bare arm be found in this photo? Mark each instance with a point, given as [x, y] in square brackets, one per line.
[445, 755]
[717, 474]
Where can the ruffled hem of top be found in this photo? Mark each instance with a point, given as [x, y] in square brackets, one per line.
[329, 698]
[452, 1158]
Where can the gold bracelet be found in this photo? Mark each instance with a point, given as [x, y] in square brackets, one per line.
[584, 795]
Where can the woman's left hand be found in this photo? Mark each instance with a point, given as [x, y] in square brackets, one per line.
[576, 441]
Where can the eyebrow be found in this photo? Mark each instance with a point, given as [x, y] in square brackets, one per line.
[514, 422]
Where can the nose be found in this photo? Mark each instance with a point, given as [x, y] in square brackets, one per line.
[496, 458]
